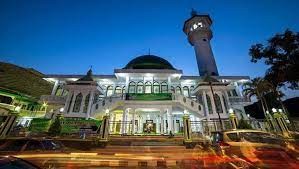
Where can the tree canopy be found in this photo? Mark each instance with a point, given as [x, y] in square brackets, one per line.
[281, 53]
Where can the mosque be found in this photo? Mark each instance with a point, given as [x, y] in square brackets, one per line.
[150, 95]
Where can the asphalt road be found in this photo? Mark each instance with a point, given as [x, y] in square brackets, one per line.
[134, 157]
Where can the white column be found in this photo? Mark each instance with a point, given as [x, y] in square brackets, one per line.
[133, 121]
[169, 84]
[157, 125]
[169, 121]
[162, 121]
[127, 84]
[124, 122]
[55, 87]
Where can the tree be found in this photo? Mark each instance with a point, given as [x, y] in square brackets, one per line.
[55, 127]
[281, 54]
[258, 87]
[243, 124]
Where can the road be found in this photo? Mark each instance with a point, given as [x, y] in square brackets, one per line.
[133, 157]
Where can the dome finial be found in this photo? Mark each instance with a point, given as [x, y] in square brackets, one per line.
[193, 12]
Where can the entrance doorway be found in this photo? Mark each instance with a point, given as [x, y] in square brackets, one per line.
[149, 127]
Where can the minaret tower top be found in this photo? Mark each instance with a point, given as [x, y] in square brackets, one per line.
[198, 30]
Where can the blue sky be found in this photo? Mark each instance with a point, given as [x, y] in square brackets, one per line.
[66, 37]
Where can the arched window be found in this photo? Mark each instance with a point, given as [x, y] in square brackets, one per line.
[109, 91]
[209, 104]
[5, 99]
[156, 87]
[186, 91]
[77, 103]
[218, 104]
[124, 90]
[140, 87]
[70, 103]
[225, 103]
[118, 90]
[86, 102]
[178, 90]
[148, 87]
[132, 86]
[164, 87]
[191, 88]
[59, 91]
[172, 89]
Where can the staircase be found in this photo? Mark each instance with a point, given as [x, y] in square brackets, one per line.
[145, 141]
[187, 103]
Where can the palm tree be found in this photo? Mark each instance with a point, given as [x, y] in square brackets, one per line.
[258, 87]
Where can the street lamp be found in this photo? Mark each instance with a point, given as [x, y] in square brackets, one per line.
[274, 110]
[17, 109]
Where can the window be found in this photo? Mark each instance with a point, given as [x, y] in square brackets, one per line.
[234, 92]
[225, 103]
[70, 103]
[132, 87]
[186, 91]
[86, 102]
[77, 103]
[118, 90]
[140, 87]
[156, 87]
[178, 90]
[109, 91]
[148, 87]
[164, 87]
[229, 94]
[218, 103]
[5, 99]
[233, 137]
[209, 104]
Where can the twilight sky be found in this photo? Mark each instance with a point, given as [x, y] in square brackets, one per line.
[66, 37]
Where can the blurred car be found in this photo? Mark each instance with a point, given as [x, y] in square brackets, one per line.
[261, 148]
[9, 162]
[17, 146]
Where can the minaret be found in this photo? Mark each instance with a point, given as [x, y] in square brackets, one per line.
[197, 28]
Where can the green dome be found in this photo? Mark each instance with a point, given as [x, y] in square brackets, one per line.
[149, 62]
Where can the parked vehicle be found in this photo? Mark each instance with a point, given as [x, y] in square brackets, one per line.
[262, 148]
[9, 162]
[16, 146]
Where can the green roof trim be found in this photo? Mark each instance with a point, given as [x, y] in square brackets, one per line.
[149, 62]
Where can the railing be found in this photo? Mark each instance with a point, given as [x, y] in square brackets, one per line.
[7, 106]
[53, 99]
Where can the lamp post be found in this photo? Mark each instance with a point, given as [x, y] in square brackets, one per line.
[211, 87]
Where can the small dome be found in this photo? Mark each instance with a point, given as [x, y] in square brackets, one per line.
[149, 62]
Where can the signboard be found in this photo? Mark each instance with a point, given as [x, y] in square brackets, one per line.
[68, 125]
[73, 125]
[149, 96]
[40, 125]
